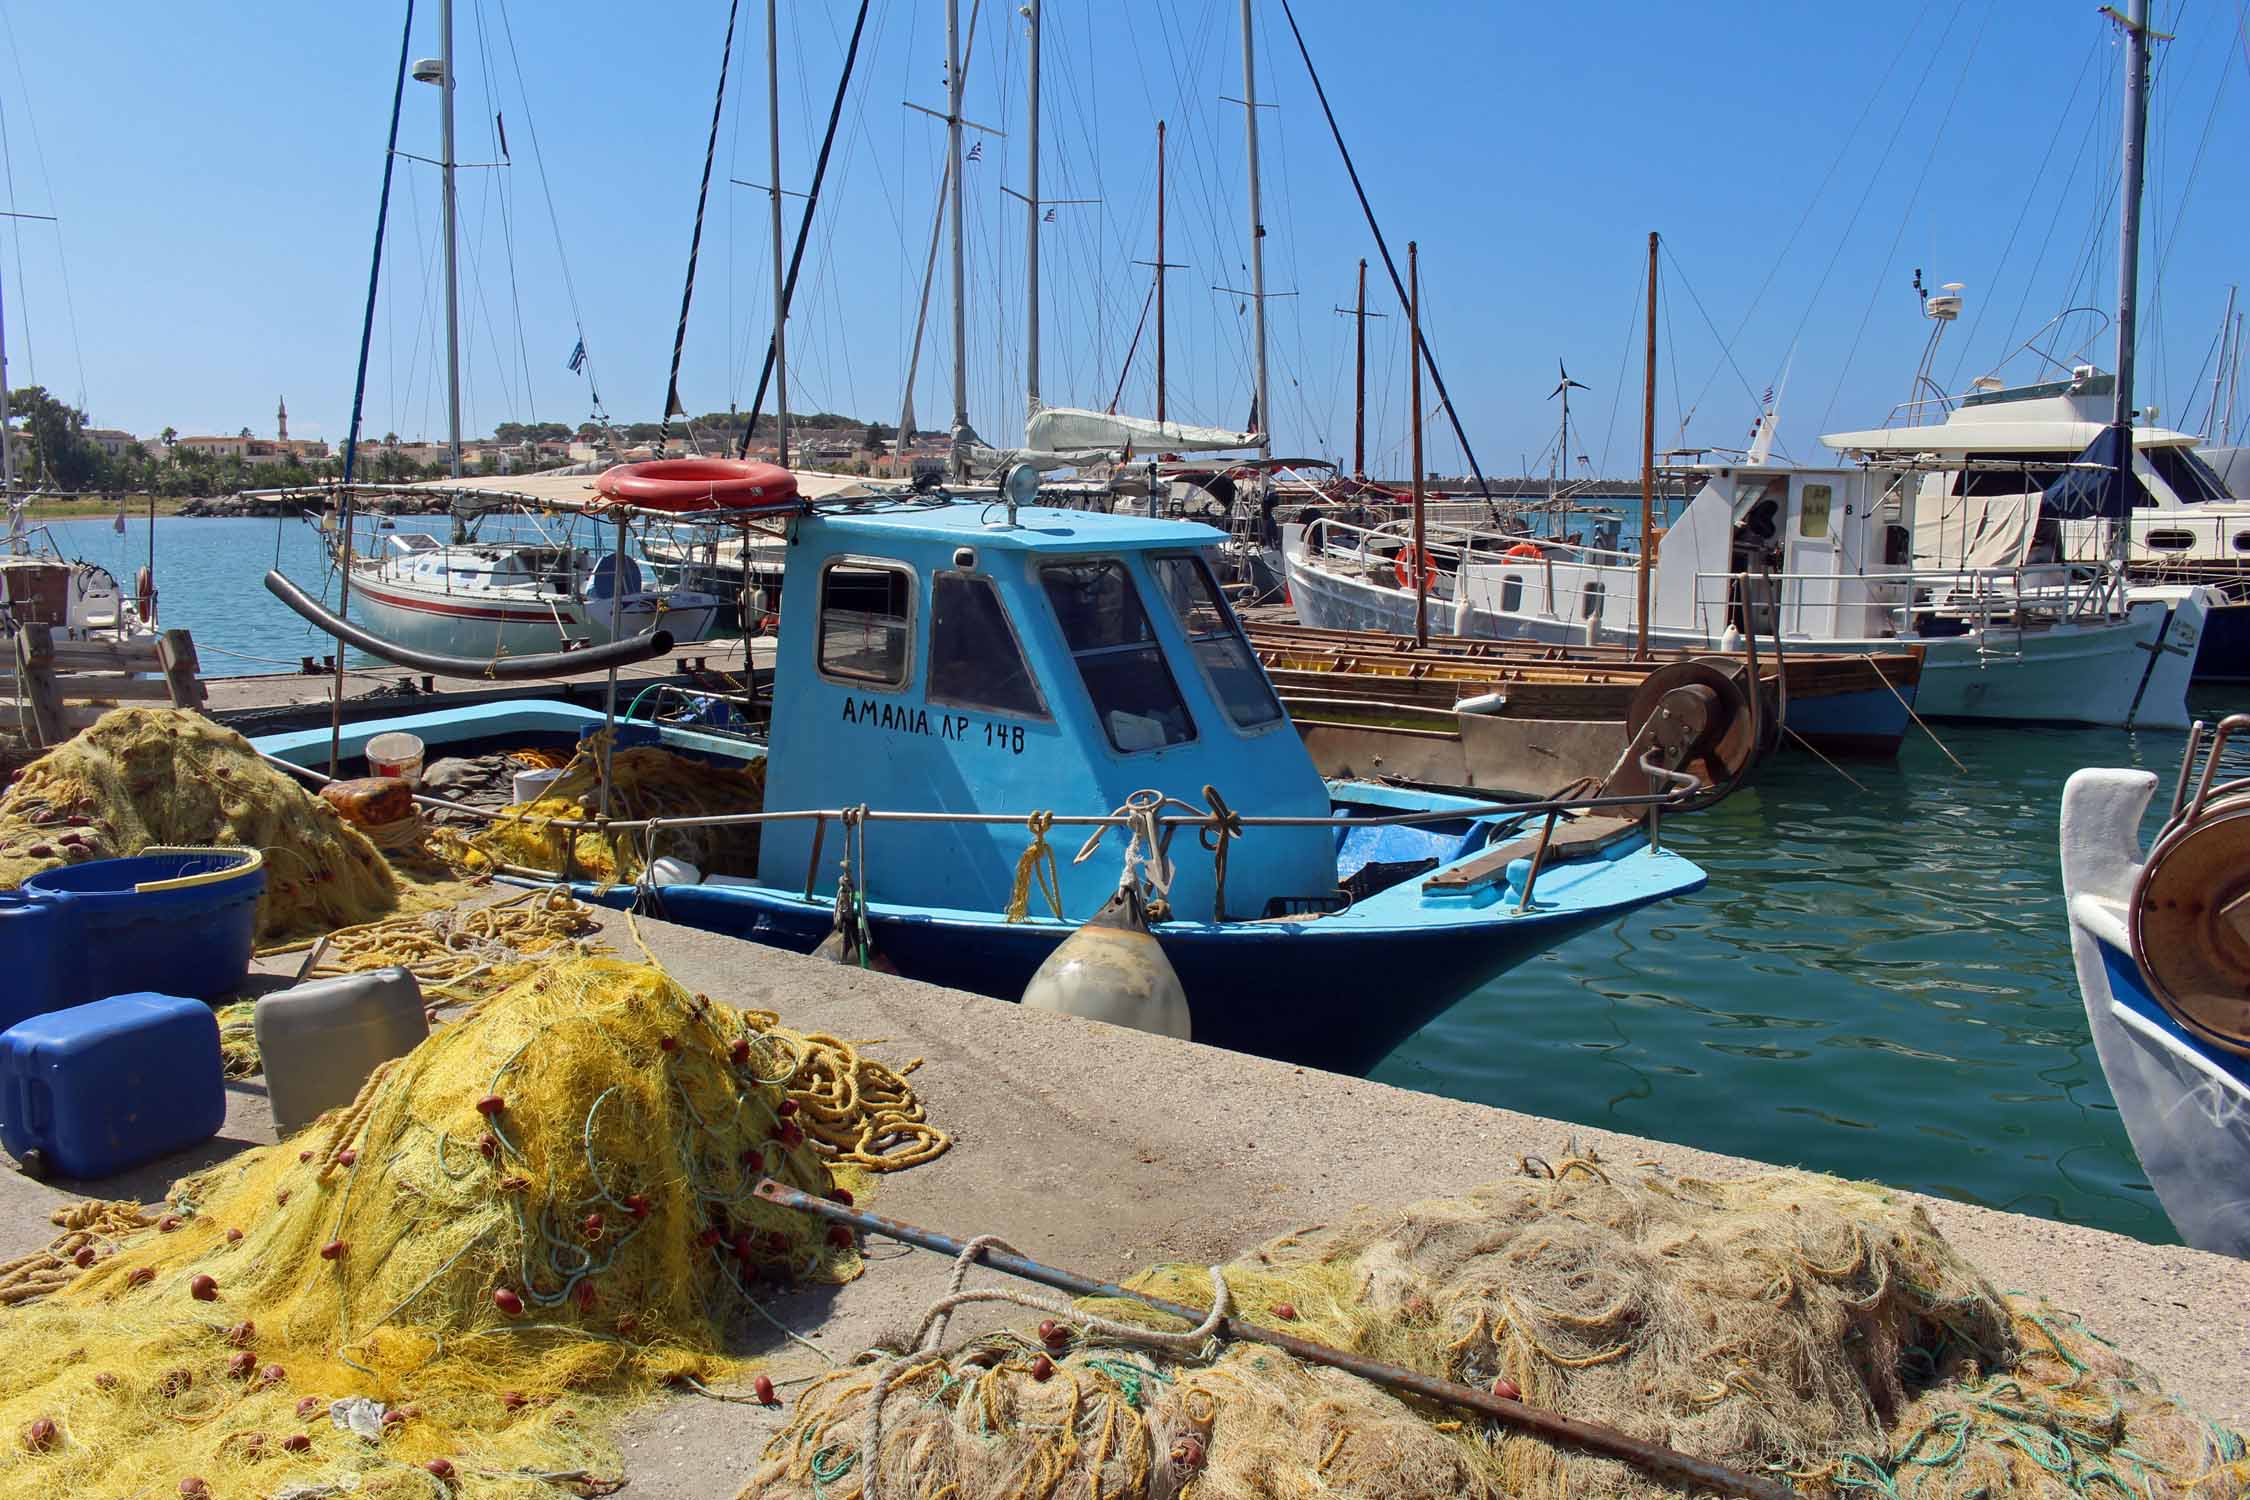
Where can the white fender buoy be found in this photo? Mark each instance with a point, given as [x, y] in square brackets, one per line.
[1111, 969]
[671, 870]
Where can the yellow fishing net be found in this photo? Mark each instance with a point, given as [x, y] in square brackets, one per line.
[1799, 1328]
[145, 776]
[534, 1217]
[645, 782]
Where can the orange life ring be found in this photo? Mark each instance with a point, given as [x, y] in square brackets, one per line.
[684, 484]
[144, 594]
[1402, 568]
[1524, 549]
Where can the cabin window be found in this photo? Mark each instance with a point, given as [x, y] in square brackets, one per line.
[1898, 546]
[1236, 679]
[2170, 541]
[1511, 593]
[1812, 511]
[1590, 601]
[2188, 475]
[866, 615]
[1119, 657]
[2242, 541]
[975, 658]
[2012, 474]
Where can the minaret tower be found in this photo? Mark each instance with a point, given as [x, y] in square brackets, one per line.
[281, 421]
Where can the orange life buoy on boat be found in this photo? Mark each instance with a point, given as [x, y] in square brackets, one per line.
[1524, 549]
[684, 484]
[144, 594]
[1402, 567]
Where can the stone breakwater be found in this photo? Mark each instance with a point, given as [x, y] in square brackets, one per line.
[239, 506]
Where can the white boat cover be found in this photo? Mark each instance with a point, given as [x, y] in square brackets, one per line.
[1070, 429]
[1974, 531]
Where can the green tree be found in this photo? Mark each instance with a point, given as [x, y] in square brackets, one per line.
[61, 453]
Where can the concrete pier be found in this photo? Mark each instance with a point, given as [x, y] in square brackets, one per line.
[1103, 1150]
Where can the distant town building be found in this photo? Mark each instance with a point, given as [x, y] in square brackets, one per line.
[111, 441]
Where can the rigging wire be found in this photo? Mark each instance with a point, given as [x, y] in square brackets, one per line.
[695, 240]
[2054, 138]
[2195, 167]
[1937, 138]
[62, 257]
[562, 254]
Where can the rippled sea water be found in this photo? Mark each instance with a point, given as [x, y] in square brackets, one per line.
[1876, 982]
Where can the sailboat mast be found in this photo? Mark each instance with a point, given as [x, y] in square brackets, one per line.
[780, 292]
[2214, 429]
[452, 238]
[7, 442]
[1257, 229]
[1421, 562]
[1031, 219]
[2129, 255]
[1159, 270]
[957, 462]
[1648, 462]
[1359, 378]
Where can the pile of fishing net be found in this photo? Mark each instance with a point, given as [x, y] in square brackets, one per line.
[537, 1215]
[645, 782]
[165, 776]
[1798, 1328]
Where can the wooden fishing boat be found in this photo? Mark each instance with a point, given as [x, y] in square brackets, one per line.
[1551, 707]
[948, 668]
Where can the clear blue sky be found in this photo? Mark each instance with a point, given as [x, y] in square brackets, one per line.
[216, 168]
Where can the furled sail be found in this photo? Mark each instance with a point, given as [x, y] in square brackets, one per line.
[1068, 429]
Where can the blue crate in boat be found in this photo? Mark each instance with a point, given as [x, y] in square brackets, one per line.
[100, 1089]
[181, 921]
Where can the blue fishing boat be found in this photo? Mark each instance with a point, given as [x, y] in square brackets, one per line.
[950, 670]
[2161, 943]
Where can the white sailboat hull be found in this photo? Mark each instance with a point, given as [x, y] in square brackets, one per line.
[2068, 672]
[489, 626]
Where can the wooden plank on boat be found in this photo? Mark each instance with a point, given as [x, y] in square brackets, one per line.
[175, 658]
[112, 687]
[1574, 838]
[35, 666]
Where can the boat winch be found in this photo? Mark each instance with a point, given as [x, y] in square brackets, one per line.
[1696, 718]
[2189, 916]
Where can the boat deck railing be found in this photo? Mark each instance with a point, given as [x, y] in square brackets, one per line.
[1143, 813]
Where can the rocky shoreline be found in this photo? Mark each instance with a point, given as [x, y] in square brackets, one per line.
[236, 507]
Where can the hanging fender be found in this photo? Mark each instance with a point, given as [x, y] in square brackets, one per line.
[144, 594]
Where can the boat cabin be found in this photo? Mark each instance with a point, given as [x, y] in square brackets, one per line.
[947, 655]
[1814, 528]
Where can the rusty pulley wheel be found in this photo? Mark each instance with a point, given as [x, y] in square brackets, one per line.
[1697, 714]
[2190, 925]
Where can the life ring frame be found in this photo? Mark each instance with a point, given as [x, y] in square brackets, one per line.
[1402, 567]
[1530, 550]
[690, 484]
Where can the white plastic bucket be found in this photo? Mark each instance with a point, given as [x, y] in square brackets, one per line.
[531, 785]
[395, 754]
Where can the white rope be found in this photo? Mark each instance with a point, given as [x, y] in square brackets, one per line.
[931, 1334]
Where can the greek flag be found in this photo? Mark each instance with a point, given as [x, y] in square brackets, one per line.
[578, 358]
[1050, 216]
[976, 151]
[1766, 400]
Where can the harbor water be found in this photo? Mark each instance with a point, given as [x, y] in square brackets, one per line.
[1876, 982]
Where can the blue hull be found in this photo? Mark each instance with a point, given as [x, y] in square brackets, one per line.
[1871, 722]
[2224, 655]
[1336, 999]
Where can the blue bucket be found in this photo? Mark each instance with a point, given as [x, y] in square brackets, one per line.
[176, 921]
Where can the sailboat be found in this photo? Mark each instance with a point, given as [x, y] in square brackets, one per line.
[472, 597]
